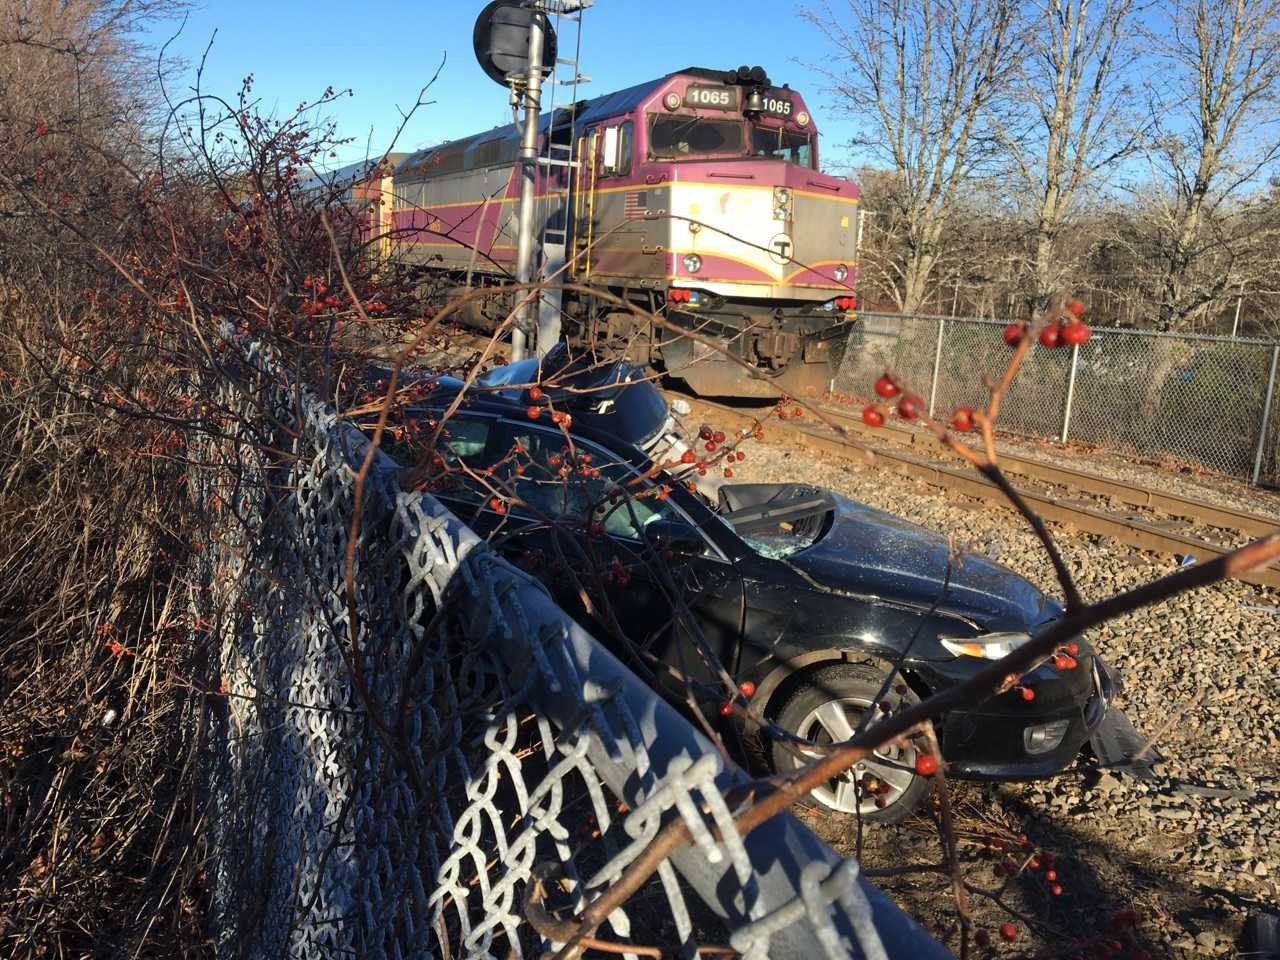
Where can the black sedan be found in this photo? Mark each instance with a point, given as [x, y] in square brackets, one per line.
[803, 597]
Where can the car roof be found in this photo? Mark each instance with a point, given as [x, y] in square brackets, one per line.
[614, 401]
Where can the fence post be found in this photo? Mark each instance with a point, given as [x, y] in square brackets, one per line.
[937, 363]
[1071, 392]
[1266, 415]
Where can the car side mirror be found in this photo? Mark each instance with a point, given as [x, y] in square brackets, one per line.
[681, 538]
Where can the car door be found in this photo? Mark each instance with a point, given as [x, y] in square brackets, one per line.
[559, 492]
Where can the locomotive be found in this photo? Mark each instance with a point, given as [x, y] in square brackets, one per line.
[696, 196]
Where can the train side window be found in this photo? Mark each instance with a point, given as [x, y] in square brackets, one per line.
[617, 149]
[626, 138]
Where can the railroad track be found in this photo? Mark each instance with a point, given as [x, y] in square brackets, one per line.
[1135, 515]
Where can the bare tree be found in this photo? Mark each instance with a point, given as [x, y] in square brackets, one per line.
[1215, 122]
[1069, 119]
[919, 78]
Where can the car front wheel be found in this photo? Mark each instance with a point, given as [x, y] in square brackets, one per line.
[825, 707]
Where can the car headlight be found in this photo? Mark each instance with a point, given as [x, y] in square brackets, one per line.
[841, 273]
[989, 646]
[692, 262]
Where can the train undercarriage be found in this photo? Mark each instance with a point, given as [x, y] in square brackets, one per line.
[718, 348]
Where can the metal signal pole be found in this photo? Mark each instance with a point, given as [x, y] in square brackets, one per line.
[528, 189]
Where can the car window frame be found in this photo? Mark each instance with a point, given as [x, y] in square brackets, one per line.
[712, 550]
[497, 419]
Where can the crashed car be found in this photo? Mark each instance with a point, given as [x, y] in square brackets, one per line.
[805, 597]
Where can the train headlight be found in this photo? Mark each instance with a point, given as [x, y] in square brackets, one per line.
[692, 262]
[802, 118]
[841, 273]
[672, 101]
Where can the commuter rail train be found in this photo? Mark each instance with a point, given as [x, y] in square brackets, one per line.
[698, 194]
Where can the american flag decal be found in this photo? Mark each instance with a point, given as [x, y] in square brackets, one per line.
[636, 205]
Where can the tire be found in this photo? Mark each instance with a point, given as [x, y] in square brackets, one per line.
[805, 711]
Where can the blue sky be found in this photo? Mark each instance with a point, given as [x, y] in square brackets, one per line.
[384, 51]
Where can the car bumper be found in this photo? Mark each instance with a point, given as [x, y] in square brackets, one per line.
[992, 746]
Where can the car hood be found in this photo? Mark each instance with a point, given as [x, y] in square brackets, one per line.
[873, 553]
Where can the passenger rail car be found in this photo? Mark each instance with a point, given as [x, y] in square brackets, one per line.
[698, 193]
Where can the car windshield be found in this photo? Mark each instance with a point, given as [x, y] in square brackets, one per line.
[674, 137]
[777, 143]
[775, 519]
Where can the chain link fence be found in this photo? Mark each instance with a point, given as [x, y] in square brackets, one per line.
[433, 760]
[1214, 401]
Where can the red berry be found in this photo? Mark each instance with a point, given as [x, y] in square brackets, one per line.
[1075, 307]
[1075, 334]
[982, 938]
[1056, 889]
[910, 407]
[535, 393]
[1009, 932]
[797, 412]
[704, 433]
[1073, 648]
[1051, 336]
[1013, 333]
[718, 436]
[962, 419]
[710, 446]
[534, 412]
[687, 457]
[872, 417]
[748, 688]
[886, 387]
[741, 456]
[1028, 694]
[1051, 875]
[728, 472]
[726, 709]
[926, 764]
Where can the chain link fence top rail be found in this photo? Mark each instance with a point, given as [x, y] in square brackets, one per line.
[1185, 397]
[402, 800]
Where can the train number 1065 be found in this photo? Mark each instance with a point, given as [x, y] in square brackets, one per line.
[711, 98]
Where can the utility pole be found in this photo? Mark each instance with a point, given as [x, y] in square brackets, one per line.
[528, 188]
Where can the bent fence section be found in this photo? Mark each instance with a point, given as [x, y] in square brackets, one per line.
[1208, 400]
[417, 763]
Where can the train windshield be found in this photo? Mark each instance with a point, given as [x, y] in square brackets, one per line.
[779, 144]
[675, 137]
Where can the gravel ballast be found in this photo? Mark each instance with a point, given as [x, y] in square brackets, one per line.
[1194, 849]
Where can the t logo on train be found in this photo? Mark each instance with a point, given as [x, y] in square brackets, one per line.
[696, 196]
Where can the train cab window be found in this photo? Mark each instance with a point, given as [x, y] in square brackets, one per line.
[626, 141]
[615, 150]
[674, 137]
[779, 144]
